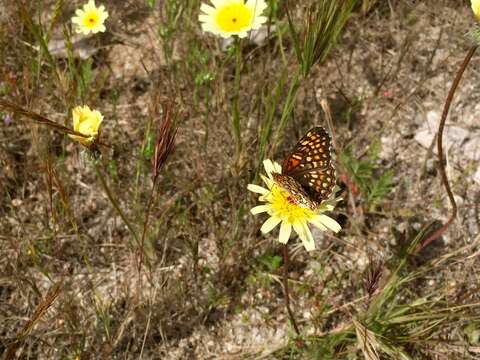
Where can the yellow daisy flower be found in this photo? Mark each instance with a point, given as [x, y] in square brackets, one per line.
[290, 214]
[87, 122]
[90, 18]
[476, 8]
[232, 17]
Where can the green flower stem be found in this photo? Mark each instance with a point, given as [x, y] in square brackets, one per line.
[235, 112]
[285, 287]
[114, 202]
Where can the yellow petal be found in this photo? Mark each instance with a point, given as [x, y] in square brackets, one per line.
[86, 122]
[217, 3]
[257, 5]
[270, 224]
[204, 18]
[476, 8]
[269, 167]
[90, 5]
[301, 228]
[104, 16]
[327, 222]
[269, 182]
[209, 27]
[319, 225]
[277, 167]
[257, 189]
[207, 9]
[285, 231]
[259, 209]
[257, 24]
[309, 242]
[298, 227]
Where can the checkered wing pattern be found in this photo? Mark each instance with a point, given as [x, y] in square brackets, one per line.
[310, 164]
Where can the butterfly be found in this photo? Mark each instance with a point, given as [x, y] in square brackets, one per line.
[308, 174]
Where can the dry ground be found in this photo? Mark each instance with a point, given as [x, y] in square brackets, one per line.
[211, 286]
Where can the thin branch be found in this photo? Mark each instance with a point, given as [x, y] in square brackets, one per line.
[145, 225]
[39, 312]
[42, 120]
[164, 147]
[114, 203]
[441, 164]
[38, 118]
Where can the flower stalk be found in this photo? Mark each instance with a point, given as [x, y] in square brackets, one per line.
[145, 225]
[441, 163]
[235, 111]
[286, 290]
[114, 203]
[233, 18]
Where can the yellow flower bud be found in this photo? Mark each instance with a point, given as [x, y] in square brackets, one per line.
[476, 8]
[87, 122]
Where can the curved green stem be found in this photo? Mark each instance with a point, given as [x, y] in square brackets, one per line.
[285, 287]
[236, 129]
[114, 203]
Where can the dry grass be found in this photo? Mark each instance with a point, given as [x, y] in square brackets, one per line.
[209, 284]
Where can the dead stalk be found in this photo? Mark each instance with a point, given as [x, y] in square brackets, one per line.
[164, 146]
[441, 164]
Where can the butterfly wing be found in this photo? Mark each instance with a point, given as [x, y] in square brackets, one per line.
[310, 164]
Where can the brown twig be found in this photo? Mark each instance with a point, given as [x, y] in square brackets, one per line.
[38, 118]
[285, 287]
[114, 202]
[42, 120]
[145, 225]
[39, 312]
[441, 165]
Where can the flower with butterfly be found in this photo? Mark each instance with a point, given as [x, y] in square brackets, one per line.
[299, 192]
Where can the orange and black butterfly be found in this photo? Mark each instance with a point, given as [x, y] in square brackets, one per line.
[308, 173]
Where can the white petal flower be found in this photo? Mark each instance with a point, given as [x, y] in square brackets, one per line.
[232, 17]
[90, 18]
